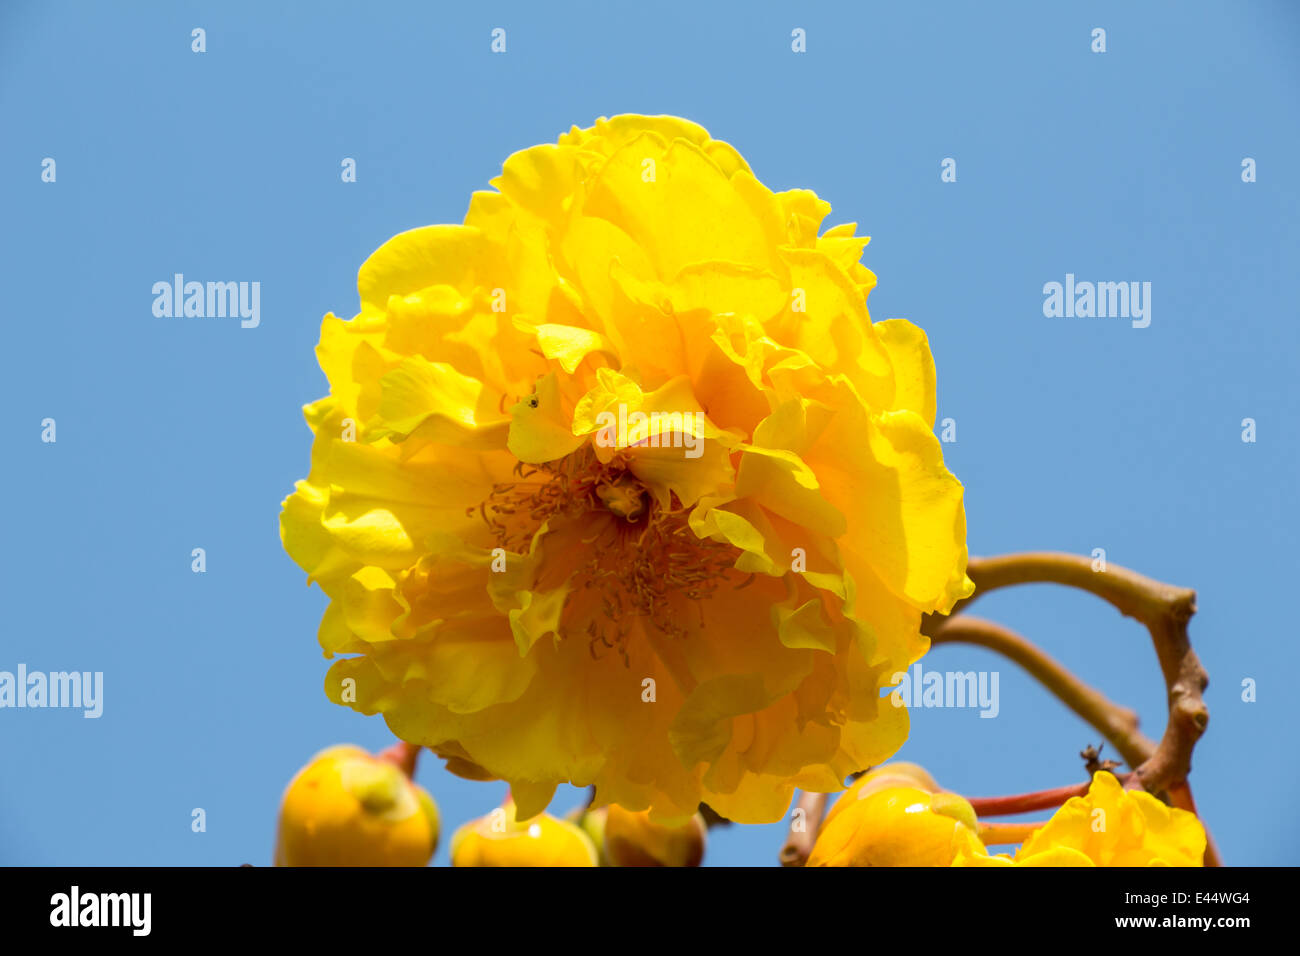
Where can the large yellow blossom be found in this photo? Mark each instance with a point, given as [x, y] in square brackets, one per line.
[1110, 826]
[702, 605]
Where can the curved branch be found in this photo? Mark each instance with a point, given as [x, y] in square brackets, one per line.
[1165, 609]
[1117, 724]
[1132, 594]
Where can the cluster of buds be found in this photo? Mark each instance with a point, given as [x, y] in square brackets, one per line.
[351, 808]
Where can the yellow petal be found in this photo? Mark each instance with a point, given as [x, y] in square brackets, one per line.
[911, 528]
[909, 353]
[413, 260]
[690, 211]
[541, 425]
[439, 404]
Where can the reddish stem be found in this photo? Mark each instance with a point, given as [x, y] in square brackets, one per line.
[1028, 802]
[404, 755]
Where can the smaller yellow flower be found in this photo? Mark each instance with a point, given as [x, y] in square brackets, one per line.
[897, 826]
[1110, 826]
[500, 839]
[348, 807]
[633, 839]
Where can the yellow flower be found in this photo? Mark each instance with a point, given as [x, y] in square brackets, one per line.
[897, 826]
[633, 839]
[1110, 826]
[618, 484]
[501, 839]
[349, 808]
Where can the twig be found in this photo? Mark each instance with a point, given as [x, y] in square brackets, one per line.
[799, 842]
[1028, 802]
[1164, 608]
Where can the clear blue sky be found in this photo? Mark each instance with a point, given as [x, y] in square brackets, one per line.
[1073, 433]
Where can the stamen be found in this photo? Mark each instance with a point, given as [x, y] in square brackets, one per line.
[637, 563]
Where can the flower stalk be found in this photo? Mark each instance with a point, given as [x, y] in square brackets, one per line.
[404, 755]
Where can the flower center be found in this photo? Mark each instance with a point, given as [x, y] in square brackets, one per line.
[625, 497]
[638, 560]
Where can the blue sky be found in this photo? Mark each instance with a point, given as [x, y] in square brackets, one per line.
[1072, 433]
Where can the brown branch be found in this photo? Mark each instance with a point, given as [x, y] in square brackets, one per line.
[1117, 724]
[799, 843]
[1133, 594]
[1165, 610]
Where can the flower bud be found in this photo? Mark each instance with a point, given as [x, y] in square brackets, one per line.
[633, 839]
[499, 839]
[900, 773]
[348, 807]
[898, 826]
